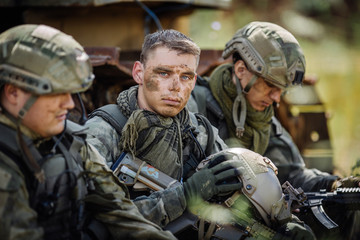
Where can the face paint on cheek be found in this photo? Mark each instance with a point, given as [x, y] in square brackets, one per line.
[152, 84]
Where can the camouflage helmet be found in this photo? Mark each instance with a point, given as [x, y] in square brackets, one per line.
[43, 60]
[260, 183]
[269, 51]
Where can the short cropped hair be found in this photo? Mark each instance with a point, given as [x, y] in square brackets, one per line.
[171, 39]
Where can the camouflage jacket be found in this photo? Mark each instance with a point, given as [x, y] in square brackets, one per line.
[107, 195]
[160, 207]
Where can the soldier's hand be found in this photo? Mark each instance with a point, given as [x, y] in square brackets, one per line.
[294, 231]
[347, 182]
[211, 180]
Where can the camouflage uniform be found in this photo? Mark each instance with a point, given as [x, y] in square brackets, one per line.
[113, 207]
[164, 206]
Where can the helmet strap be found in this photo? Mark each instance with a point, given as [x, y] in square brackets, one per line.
[239, 117]
[250, 84]
[26, 107]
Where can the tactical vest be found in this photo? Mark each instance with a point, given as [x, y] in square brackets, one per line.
[112, 114]
[59, 199]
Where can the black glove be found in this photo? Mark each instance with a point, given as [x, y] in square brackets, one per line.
[294, 231]
[347, 182]
[210, 181]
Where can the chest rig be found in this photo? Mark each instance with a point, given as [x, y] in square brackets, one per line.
[193, 151]
[58, 199]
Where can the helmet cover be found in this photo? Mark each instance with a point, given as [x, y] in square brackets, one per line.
[43, 60]
[269, 51]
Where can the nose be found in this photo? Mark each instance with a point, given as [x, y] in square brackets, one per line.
[175, 83]
[275, 94]
[67, 101]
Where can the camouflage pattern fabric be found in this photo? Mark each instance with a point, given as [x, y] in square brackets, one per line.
[116, 210]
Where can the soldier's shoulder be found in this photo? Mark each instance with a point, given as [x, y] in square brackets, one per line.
[10, 174]
[97, 125]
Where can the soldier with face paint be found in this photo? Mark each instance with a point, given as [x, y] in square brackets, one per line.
[150, 122]
[159, 130]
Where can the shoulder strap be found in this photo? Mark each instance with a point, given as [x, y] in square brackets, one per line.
[112, 114]
[286, 138]
[206, 101]
[210, 133]
[199, 94]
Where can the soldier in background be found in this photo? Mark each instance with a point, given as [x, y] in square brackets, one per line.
[238, 99]
[53, 185]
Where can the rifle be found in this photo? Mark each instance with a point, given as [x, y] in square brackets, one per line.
[347, 198]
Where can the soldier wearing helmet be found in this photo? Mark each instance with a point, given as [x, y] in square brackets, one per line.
[53, 184]
[238, 99]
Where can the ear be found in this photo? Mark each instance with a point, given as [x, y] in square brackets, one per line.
[11, 94]
[239, 69]
[138, 72]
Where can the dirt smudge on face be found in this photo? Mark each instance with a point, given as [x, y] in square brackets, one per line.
[152, 83]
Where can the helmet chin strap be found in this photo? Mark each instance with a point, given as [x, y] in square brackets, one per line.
[26, 107]
[239, 118]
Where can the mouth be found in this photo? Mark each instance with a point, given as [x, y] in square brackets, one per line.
[171, 101]
[266, 104]
[62, 116]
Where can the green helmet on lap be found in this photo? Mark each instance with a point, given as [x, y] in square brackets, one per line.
[43, 60]
[269, 51]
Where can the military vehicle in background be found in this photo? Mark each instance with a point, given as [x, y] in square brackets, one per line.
[112, 32]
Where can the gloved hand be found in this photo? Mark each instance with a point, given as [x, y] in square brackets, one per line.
[210, 181]
[294, 231]
[347, 182]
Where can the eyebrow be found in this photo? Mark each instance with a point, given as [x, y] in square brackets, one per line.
[166, 69]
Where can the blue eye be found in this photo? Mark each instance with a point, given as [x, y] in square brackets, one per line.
[186, 78]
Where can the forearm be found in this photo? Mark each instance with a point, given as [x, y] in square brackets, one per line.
[162, 207]
[310, 180]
